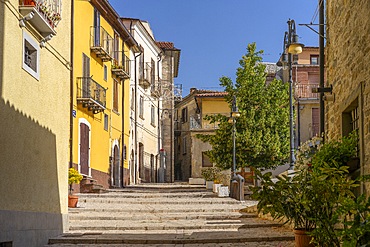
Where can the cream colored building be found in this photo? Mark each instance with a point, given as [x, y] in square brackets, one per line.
[34, 124]
[145, 104]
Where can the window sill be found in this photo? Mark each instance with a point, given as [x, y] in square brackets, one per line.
[116, 112]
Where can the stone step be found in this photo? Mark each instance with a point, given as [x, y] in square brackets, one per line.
[149, 195]
[238, 244]
[163, 216]
[152, 210]
[133, 201]
[154, 225]
[250, 235]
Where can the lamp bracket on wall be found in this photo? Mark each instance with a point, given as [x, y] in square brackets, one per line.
[311, 24]
[323, 89]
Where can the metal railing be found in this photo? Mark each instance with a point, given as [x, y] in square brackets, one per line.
[87, 88]
[195, 122]
[101, 43]
[50, 10]
[146, 76]
[305, 91]
[121, 63]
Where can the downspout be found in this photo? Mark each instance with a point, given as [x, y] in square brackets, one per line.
[159, 119]
[135, 128]
[123, 154]
[71, 92]
[171, 122]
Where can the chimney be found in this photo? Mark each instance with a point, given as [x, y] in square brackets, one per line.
[193, 90]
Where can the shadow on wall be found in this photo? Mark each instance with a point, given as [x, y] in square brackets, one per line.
[30, 212]
[30, 204]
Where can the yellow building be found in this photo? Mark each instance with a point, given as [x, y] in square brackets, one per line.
[190, 155]
[34, 122]
[102, 50]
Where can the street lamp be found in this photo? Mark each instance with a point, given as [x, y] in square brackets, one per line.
[291, 46]
[234, 114]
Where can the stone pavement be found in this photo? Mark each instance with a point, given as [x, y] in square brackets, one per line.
[170, 215]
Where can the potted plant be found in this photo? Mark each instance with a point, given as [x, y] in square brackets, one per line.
[74, 177]
[210, 175]
[313, 199]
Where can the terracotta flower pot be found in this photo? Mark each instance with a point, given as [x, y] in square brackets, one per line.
[72, 201]
[302, 239]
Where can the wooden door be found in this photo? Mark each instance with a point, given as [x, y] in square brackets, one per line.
[84, 149]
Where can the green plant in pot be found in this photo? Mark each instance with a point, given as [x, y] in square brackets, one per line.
[74, 177]
[210, 174]
[319, 197]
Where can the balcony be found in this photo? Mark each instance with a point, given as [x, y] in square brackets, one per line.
[304, 91]
[91, 94]
[121, 65]
[101, 43]
[155, 89]
[146, 76]
[43, 15]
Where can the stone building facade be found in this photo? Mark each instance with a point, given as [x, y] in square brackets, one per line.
[347, 62]
[190, 156]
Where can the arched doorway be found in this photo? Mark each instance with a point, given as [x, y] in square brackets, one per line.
[116, 167]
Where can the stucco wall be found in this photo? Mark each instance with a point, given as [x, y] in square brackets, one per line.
[34, 133]
[348, 28]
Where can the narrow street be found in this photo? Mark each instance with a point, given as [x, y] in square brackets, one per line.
[167, 215]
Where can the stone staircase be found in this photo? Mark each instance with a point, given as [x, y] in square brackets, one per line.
[167, 215]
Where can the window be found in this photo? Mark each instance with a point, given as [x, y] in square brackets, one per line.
[152, 119]
[314, 59]
[315, 122]
[115, 95]
[351, 120]
[141, 107]
[115, 47]
[205, 160]
[152, 72]
[132, 99]
[106, 122]
[105, 73]
[31, 56]
[184, 145]
[184, 115]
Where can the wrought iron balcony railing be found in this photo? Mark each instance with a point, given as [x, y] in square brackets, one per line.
[305, 91]
[146, 76]
[101, 43]
[91, 94]
[43, 15]
[121, 65]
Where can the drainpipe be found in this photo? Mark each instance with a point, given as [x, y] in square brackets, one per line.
[123, 154]
[135, 128]
[159, 58]
[71, 92]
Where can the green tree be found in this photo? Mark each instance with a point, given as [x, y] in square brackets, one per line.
[262, 130]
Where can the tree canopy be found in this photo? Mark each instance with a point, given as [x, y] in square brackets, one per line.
[262, 130]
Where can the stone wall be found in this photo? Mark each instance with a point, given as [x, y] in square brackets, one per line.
[347, 62]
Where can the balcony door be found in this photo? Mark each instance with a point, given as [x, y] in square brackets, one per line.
[96, 28]
[85, 76]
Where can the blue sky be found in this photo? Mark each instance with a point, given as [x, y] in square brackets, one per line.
[213, 34]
